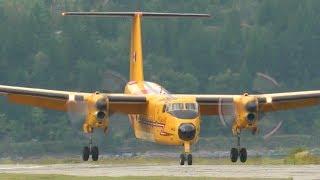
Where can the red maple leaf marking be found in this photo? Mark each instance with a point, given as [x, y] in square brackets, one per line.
[134, 56]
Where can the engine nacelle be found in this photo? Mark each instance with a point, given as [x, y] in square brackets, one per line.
[97, 114]
[246, 110]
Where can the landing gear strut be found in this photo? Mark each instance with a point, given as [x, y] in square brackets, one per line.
[186, 156]
[91, 150]
[238, 152]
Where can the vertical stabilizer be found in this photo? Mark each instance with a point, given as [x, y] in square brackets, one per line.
[136, 58]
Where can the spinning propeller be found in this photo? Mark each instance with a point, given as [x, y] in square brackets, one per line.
[78, 110]
[267, 124]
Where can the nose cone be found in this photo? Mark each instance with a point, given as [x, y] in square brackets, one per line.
[187, 132]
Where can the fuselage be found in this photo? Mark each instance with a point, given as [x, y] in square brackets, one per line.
[166, 117]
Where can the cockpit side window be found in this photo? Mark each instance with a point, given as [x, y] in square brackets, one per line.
[164, 108]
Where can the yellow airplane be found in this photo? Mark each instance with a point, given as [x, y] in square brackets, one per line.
[156, 115]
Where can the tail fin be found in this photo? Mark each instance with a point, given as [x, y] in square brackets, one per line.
[136, 58]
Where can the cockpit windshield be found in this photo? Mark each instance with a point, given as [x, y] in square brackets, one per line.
[176, 106]
[182, 110]
[191, 106]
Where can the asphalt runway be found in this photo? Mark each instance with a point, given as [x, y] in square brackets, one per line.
[87, 169]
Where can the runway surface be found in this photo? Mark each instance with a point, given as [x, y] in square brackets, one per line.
[258, 171]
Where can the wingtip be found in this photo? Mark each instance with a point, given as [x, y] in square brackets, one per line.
[207, 15]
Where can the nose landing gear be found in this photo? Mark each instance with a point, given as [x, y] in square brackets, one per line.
[186, 156]
[238, 152]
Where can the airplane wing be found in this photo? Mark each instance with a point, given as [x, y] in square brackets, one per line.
[57, 100]
[209, 104]
[288, 100]
[136, 104]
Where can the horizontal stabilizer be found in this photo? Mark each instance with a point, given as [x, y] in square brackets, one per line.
[148, 14]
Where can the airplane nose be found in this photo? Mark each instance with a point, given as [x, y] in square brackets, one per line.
[187, 132]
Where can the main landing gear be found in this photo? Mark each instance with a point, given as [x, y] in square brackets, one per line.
[238, 152]
[91, 150]
[186, 156]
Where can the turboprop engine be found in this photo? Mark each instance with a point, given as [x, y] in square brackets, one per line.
[246, 113]
[97, 114]
[94, 109]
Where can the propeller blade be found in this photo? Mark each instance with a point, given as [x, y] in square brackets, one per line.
[264, 83]
[226, 113]
[113, 82]
[77, 112]
[273, 131]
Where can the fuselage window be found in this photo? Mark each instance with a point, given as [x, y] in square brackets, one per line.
[164, 108]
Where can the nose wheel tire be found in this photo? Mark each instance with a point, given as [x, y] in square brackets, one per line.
[189, 159]
[243, 155]
[234, 154]
[182, 159]
[85, 153]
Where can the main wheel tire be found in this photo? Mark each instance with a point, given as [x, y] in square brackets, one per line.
[189, 159]
[95, 153]
[182, 159]
[243, 155]
[85, 153]
[234, 154]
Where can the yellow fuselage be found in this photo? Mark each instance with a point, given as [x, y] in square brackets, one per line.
[155, 124]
